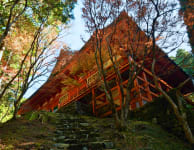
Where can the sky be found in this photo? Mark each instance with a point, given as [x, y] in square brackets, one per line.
[77, 31]
[73, 36]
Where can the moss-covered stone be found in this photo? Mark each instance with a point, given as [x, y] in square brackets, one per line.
[159, 111]
[42, 116]
[76, 108]
[139, 135]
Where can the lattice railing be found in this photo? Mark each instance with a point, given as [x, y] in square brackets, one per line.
[144, 90]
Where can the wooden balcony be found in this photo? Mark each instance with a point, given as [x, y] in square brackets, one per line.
[144, 91]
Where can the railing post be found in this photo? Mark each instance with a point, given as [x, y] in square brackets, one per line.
[159, 85]
[120, 97]
[147, 87]
[139, 92]
[93, 102]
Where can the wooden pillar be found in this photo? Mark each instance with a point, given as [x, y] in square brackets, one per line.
[120, 96]
[139, 92]
[93, 102]
[147, 87]
[52, 102]
[167, 89]
[159, 85]
[59, 105]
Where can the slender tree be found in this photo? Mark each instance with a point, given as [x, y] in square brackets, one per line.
[160, 22]
[32, 12]
[29, 32]
[161, 17]
[122, 38]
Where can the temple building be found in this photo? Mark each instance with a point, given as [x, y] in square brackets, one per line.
[76, 77]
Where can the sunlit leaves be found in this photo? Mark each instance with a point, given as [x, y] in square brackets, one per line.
[187, 10]
[185, 60]
[28, 33]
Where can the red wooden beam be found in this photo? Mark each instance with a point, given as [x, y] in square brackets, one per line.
[93, 102]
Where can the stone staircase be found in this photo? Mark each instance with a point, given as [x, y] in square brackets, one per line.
[75, 133]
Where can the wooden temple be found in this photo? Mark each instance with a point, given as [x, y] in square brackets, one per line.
[57, 92]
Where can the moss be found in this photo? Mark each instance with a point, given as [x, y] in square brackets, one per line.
[143, 135]
[159, 111]
[25, 134]
[139, 135]
[69, 109]
[27, 115]
[34, 116]
[42, 116]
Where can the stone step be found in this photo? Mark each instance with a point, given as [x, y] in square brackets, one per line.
[74, 133]
[76, 124]
[108, 144]
[86, 146]
[59, 138]
[74, 139]
[71, 120]
[76, 145]
[69, 141]
[112, 149]
[59, 132]
[61, 145]
[79, 132]
[84, 124]
[71, 124]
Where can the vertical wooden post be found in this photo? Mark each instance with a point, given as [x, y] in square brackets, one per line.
[167, 89]
[139, 93]
[147, 87]
[93, 102]
[119, 90]
[159, 85]
[51, 103]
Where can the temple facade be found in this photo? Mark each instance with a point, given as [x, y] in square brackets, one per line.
[65, 85]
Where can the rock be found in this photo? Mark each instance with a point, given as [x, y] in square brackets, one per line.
[74, 133]
[58, 132]
[84, 124]
[84, 148]
[108, 144]
[61, 145]
[61, 137]
[154, 120]
[71, 141]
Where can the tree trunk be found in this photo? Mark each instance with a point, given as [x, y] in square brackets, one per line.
[15, 111]
[180, 116]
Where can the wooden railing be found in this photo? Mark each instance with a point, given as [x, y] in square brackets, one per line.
[144, 89]
[86, 84]
[143, 92]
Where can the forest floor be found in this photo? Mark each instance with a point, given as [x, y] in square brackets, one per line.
[22, 134]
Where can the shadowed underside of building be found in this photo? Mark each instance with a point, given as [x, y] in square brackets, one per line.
[88, 89]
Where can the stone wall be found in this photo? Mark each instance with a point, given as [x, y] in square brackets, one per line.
[76, 108]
